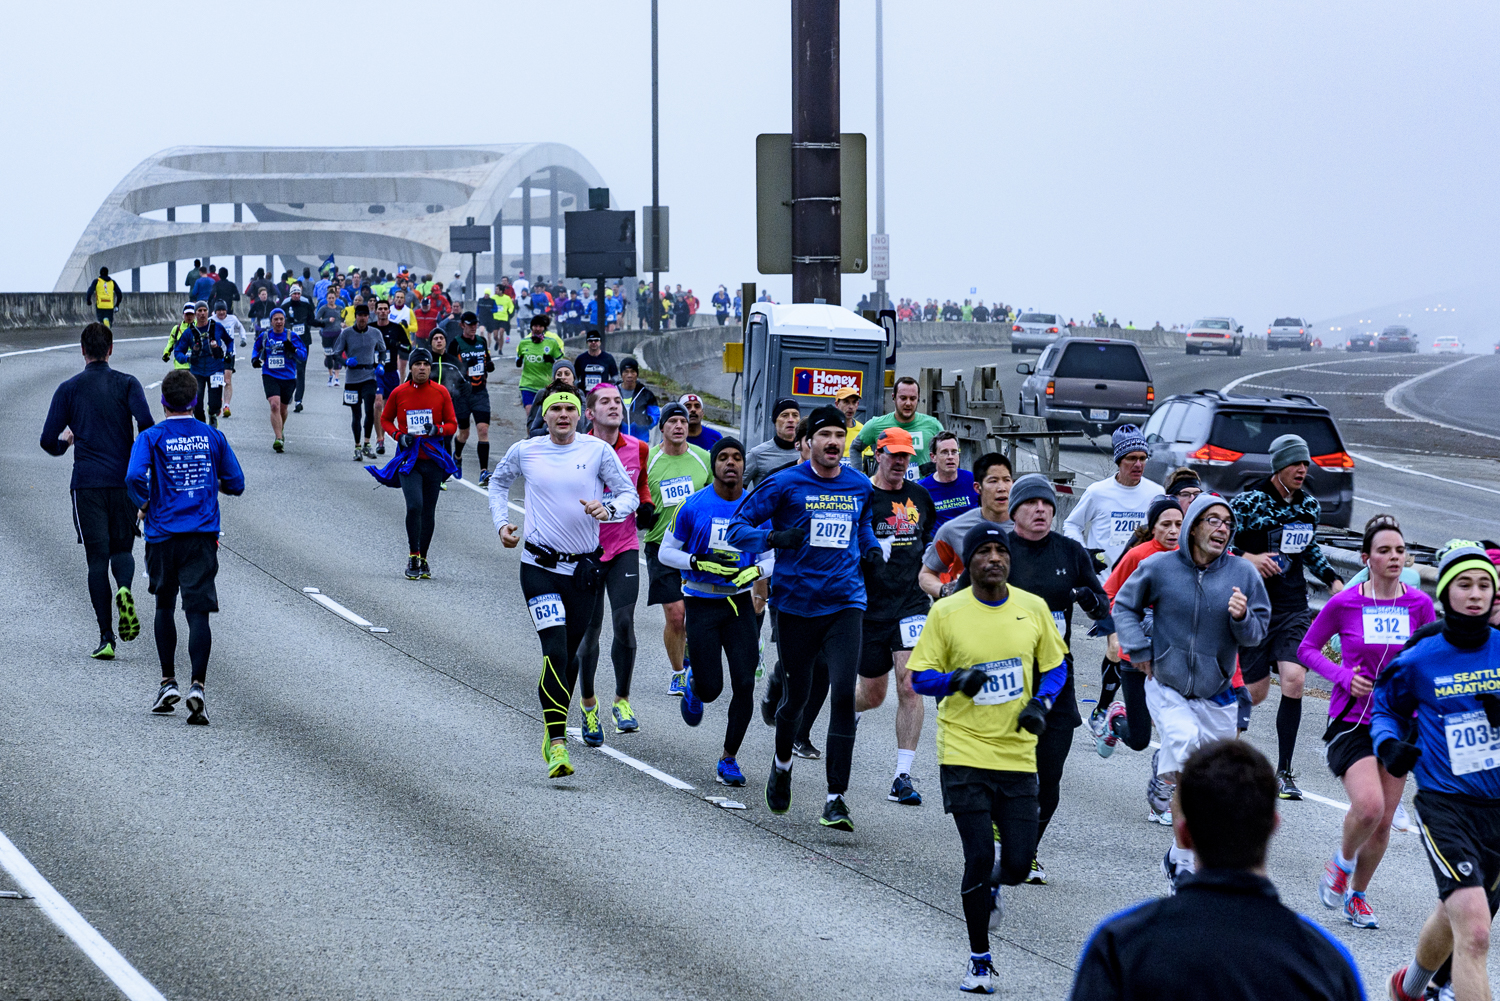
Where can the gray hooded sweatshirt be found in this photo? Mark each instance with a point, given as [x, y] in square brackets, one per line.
[1193, 643]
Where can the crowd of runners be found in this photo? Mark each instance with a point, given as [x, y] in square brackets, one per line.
[880, 563]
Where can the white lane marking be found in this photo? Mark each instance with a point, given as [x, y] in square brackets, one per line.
[1417, 472]
[340, 610]
[105, 956]
[1305, 794]
[472, 486]
[1378, 420]
[1394, 391]
[154, 384]
[73, 345]
[1270, 371]
[655, 773]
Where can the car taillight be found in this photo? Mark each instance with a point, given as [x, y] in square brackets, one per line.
[1051, 387]
[1053, 330]
[1016, 329]
[1334, 460]
[1150, 394]
[1215, 456]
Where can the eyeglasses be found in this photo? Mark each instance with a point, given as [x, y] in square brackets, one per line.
[1189, 492]
[1214, 521]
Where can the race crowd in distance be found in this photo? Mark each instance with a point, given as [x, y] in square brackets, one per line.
[956, 584]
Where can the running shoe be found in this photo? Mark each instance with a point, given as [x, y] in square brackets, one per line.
[413, 567]
[358, 454]
[194, 703]
[105, 650]
[1286, 785]
[1397, 994]
[424, 567]
[556, 756]
[484, 477]
[167, 697]
[368, 451]
[380, 448]
[836, 815]
[768, 705]
[677, 684]
[1333, 886]
[625, 721]
[1097, 720]
[692, 706]
[805, 749]
[1169, 869]
[903, 792]
[335, 382]
[130, 623]
[1164, 818]
[297, 409]
[213, 420]
[1357, 911]
[729, 772]
[1105, 742]
[1038, 874]
[977, 978]
[460, 474]
[1401, 820]
[779, 790]
[224, 412]
[278, 445]
[593, 733]
[997, 906]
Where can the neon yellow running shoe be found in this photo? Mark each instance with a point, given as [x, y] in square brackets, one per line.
[130, 623]
[625, 721]
[556, 756]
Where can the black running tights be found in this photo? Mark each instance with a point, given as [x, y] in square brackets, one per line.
[727, 625]
[421, 487]
[200, 640]
[559, 643]
[367, 404]
[837, 636]
[622, 581]
[1136, 731]
[102, 563]
[1016, 817]
[212, 395]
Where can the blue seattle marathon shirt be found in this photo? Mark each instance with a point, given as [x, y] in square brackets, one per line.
[822, 576]
[951, 499]
[177, 469]
[701, 526]
[1440, 682]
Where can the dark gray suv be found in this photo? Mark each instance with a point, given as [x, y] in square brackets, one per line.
[1092, 384]
[1227, 440]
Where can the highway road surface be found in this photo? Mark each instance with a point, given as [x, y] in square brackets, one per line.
[368, 814]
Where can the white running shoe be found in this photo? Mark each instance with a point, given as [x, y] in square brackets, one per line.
[977, 978]
[1402, 820]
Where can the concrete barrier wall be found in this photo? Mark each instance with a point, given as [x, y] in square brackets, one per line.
[42, 310]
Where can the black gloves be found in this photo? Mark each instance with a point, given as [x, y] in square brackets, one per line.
[969, 681]
[1397, 755]
[1100, 560]
[407, 440]
[709, 564]
[1033, 718]
[872, 560]
[166, 355]
[1491, 703]
[786, 538]
[216, 349]
[427, 428]
[645, 516]
[255, 363]
[1087, 599]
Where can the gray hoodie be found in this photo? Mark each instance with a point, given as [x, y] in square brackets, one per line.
[1193, 643]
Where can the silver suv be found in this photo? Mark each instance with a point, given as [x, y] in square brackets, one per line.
[1034, 331]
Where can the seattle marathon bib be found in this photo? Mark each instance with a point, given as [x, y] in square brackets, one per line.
[830, 530]
[1060, 619]
[1386, 626]
[1473, 745]
[417, 421]
[676, 490]
[351, 397]
[718, 536]
[1122, 525]
[1002, 682]
[276, 360]
[476, 369]
[1296, 537]
[911, 630]
[216, 380]
[547, 611]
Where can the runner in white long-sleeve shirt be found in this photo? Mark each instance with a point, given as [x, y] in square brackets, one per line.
[573, 483]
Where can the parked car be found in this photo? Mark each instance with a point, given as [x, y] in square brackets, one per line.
[1396, 338]
[1363, 340]
[1289, 332]
[1034, 331]
[1216, 333]
[1448, 345]
[1227, 440]
[1088, 384]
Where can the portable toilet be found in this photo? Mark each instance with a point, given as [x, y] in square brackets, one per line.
[809, 351]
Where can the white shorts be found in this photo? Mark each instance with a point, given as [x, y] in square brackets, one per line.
[1186, 724]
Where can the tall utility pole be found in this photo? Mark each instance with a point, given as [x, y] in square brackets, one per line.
[655, 305]
[815, 151]
[880, 300]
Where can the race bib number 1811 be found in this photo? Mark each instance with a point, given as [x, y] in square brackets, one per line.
[1003, 682]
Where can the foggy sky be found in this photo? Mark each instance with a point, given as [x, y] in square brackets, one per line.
[1153, 160]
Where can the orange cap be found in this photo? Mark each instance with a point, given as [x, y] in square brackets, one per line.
[896, 440]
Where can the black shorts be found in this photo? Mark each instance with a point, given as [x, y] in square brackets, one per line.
[364, 391]
[185, 564]
[881, 641]
[1462, 838]
[1344, 743]
[967, 789]
[229, 363]
[476, 405]
[665, 583]
[283, 388]
[1282, 639]
[104, 518]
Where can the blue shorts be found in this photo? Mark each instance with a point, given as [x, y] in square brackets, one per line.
[527, 396]
[388, 380]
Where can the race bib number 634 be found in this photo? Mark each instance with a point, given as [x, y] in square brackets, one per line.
[547, 611]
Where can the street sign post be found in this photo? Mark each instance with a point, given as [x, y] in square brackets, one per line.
[472, 240]
[880, 256]
[773, 203]
[601, 245]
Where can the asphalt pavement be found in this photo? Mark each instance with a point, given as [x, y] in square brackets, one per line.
[368, 814]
